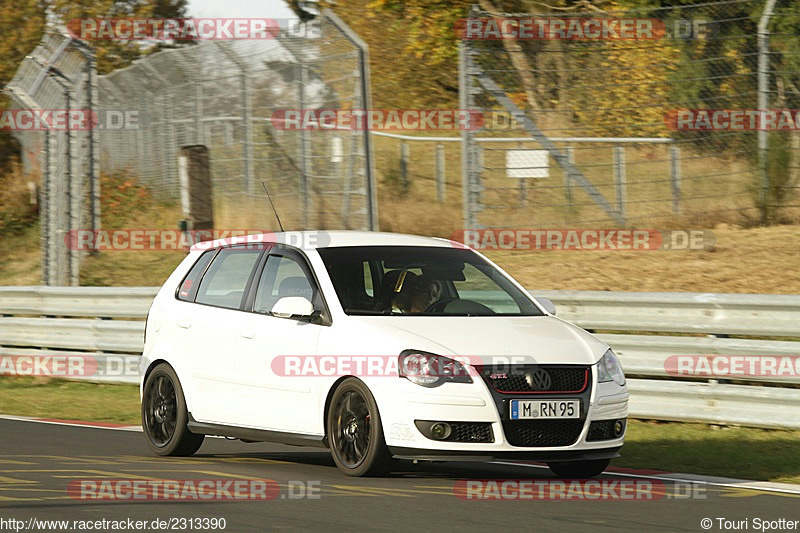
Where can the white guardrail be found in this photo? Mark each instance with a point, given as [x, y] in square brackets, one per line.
[106, 324]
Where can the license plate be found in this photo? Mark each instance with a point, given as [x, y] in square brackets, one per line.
[525, 409]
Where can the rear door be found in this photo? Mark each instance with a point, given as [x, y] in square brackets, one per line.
[211, 332]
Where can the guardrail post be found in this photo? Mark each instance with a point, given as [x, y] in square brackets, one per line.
[620, 182]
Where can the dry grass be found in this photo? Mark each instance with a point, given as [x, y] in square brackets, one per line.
[757, 260]
[21, 264]
[754, 260]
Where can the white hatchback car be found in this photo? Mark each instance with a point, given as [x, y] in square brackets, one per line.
[376, 346]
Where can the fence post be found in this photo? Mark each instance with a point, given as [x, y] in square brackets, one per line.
[93, 103]
[675, 177]
[46, 205]
[470, 177]
[441, 183]
[568, 176]
[68, 203]
[404, 155]
[763, 103]
[620, 181]
[198, 117]
[304, 185]
[247, 149]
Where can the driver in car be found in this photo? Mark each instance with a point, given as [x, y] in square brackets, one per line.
[417, 294]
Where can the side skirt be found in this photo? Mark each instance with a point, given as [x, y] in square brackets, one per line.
[255, 435]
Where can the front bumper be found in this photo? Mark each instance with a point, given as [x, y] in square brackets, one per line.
[478, 402]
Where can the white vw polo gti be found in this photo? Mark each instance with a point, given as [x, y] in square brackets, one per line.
[376, 346]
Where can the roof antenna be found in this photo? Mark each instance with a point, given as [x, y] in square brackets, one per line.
[273, 206]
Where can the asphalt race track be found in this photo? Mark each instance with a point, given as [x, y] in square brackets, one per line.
[38, 462]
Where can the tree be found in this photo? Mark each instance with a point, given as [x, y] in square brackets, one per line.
[115, 54]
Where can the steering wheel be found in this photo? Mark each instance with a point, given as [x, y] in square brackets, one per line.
[438, 307]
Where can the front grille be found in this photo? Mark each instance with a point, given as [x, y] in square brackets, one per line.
[471, 432]
[540, 433]
[601, 430]
[565, 379]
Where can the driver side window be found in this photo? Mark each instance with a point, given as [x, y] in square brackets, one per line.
[282, 276]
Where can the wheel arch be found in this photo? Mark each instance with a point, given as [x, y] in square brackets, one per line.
[327, 405]
[178, 372]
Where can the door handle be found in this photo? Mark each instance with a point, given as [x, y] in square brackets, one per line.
[184, 323]
[249, 334]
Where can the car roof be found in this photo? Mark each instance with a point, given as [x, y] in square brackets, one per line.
[310, 240]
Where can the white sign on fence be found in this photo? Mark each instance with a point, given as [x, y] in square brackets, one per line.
[527, 164]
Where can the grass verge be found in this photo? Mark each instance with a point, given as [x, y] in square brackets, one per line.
[737, 452]
[759, 454]
[69, 400]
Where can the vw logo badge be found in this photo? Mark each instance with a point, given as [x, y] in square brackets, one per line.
[538, 379]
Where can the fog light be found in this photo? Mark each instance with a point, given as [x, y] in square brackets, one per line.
[441, 430]
[619, 427]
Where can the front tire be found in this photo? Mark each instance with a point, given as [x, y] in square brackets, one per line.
[164, 415]
[355, 433]
[579, 469]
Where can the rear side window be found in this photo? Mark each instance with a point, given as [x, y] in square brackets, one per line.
[188, 288]
[226, 278]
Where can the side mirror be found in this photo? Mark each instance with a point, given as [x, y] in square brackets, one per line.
[290, 306]
[548, 305]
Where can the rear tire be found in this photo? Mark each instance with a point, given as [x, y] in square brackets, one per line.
[579, 469]
[355, 433]
[164, 415]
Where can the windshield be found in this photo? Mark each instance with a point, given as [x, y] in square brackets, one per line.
[421, 280]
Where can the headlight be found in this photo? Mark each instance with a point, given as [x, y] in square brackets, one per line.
[609, 369]
[430, 370]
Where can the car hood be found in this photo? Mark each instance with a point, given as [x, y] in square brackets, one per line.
[545, 339]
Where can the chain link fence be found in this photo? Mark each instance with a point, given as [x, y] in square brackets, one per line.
[593, 126]
[225, 95]
[59, 75]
